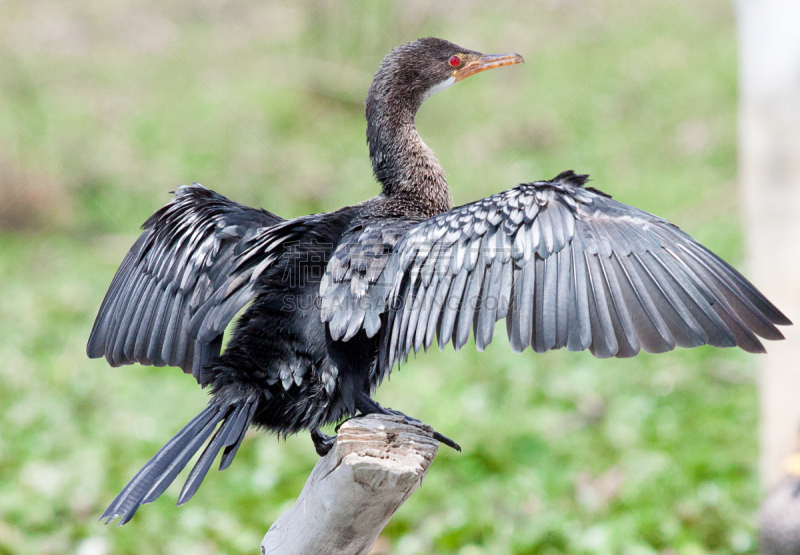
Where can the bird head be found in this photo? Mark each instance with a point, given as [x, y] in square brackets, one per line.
[407, 76]
[415, 71]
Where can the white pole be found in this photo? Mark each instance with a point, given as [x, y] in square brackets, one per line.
[769, 161]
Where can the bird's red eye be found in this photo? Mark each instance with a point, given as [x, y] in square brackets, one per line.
[454, 61]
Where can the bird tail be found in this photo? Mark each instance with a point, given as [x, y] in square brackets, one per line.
[159, 472]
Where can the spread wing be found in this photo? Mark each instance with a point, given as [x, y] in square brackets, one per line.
[352, 298]
[175, 292]
[567, 266]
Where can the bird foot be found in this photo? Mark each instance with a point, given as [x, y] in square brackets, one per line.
[367, 405]
[323, 443]
[441, 438]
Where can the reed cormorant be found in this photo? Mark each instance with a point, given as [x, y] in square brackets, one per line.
[337, 299]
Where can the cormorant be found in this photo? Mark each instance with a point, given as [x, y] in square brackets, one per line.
[337, 299]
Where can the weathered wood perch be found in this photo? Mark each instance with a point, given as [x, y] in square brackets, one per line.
[376, 464]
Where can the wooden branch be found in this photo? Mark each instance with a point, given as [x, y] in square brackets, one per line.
[376, 464]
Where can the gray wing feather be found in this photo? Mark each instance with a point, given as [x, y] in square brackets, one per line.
[563, 295]
[547, 326]
[485, 319]
[354, 289]
[178, 286]
[438, 301]
[513, 319]
[422, 325]
[450, 308]
[567, 266]
[604, 341]
[470, 302]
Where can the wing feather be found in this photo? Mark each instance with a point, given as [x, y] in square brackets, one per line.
[683, 326]
[653, 331]
[436, 307]
[623, 324]
[562, 298]
[180, 266]
[470, 303]
[581, 333]
[424, 315]
[548, 303]
[565, 264]
[738, 298]
[604, 340]
[484, 319]
[719, 335]
[451, 307]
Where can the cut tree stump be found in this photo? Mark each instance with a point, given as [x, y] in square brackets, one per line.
[378, 461]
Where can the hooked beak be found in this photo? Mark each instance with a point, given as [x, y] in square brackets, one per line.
[489, 61]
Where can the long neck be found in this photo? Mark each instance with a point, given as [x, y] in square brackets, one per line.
[407, 169]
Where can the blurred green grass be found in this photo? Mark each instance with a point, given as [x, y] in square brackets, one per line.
[108, 106]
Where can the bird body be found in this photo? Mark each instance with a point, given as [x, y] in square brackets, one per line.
[332, 302]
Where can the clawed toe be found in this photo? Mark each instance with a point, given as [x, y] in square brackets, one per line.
[408, 419]
[323, 443]
[446, 440]
[441, 438]
[366, 405]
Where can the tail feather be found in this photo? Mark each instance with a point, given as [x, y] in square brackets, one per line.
[159, 472]
[232, 445]
[127, 501]
[209, 454]
[165, 474]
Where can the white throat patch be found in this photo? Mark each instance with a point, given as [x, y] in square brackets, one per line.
[438, 87]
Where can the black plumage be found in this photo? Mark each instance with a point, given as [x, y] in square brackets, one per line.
[337, 299]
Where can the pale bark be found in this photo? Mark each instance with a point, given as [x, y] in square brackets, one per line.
[376, 464]
[769, 159]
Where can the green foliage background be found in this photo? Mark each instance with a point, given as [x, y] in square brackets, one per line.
[107, 106]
